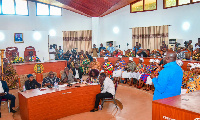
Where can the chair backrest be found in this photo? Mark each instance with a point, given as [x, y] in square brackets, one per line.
[23, 78]
[47, 73]
[61, 72]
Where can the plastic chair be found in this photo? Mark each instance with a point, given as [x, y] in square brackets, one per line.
[6, 100]
[111, 98]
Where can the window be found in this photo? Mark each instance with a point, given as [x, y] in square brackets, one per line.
[21, 7]
[150, 5]
[182, 2]
[44, 9]
[170, 3]
[55, 10]
[175, 3]
[8, 7]
[196, 0]
[14, 7]
[143, 5]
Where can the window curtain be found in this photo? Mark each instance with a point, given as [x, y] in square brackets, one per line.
[150, 37]
[82, 40]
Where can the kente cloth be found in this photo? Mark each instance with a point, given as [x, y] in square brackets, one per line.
[144, 77]
[193, 84]
[108, 67]
[140, 68]
[150, 68]
[186, 76]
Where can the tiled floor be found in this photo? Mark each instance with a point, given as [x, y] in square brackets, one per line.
[134, 104]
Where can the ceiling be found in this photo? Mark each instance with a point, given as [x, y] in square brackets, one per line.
[90, 8]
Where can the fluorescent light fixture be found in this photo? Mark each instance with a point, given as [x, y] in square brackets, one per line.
[186, 25]
[116, 30]
[37, 36]
[2, 36]
[52, 32]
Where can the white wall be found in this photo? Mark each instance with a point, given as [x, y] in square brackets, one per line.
[123, 19]
[69, 21]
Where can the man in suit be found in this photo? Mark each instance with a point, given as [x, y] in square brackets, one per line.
[30, 83]
[4, 94]
[77, 72]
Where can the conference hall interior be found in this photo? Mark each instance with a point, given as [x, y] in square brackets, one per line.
[99, 60]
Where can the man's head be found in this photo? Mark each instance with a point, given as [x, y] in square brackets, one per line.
[66, 70]
[18, 35]
[51, 74]
[94, 59]
[110, 44]
[136, 43]
[82, 52]
[94, 46]
[102, 77]
[86, 53]
[106, 59]
[170, 57]
[76, 65]
[30, 77]
[190, 41]
[101, 45]
[199, 40]
[139, 44]
[51, 46]
[59, 47]
[163, 42]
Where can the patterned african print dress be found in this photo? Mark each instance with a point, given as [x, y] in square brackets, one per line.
[85, 67]
[140, 68]
[193, 84]
[186, 76]
[150, 68]
[108, 68]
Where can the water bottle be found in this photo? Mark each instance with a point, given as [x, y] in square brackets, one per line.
[100, 107]
[81, 80]
[24, 88]
[190, 58]
[142, 55]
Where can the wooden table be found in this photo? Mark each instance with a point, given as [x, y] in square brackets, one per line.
[52, 104]
[181, 107]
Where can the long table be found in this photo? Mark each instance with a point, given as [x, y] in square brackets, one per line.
[52, 104]
[146, 60]
[181, 107]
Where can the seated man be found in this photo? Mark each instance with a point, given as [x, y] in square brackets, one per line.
[67, 76]
[77, 72]
[30, 83]
[4, 94]
[107, 90]
[50, 80]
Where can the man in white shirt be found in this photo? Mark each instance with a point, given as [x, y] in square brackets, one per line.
[52, 53]
[4, 94]
[107, 90]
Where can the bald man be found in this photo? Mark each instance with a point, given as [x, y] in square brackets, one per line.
[169, 81]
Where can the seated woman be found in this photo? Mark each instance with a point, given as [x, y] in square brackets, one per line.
[30, 83]
[50, 80]
[186, 75]
[194, 83]
[155, 71]
[67, 77]
[143, 79]
[95, 64]
[93, 76]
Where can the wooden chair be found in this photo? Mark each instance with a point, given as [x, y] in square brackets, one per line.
[6, 101]
[61, 72]
[112, 98]
[11, 53]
